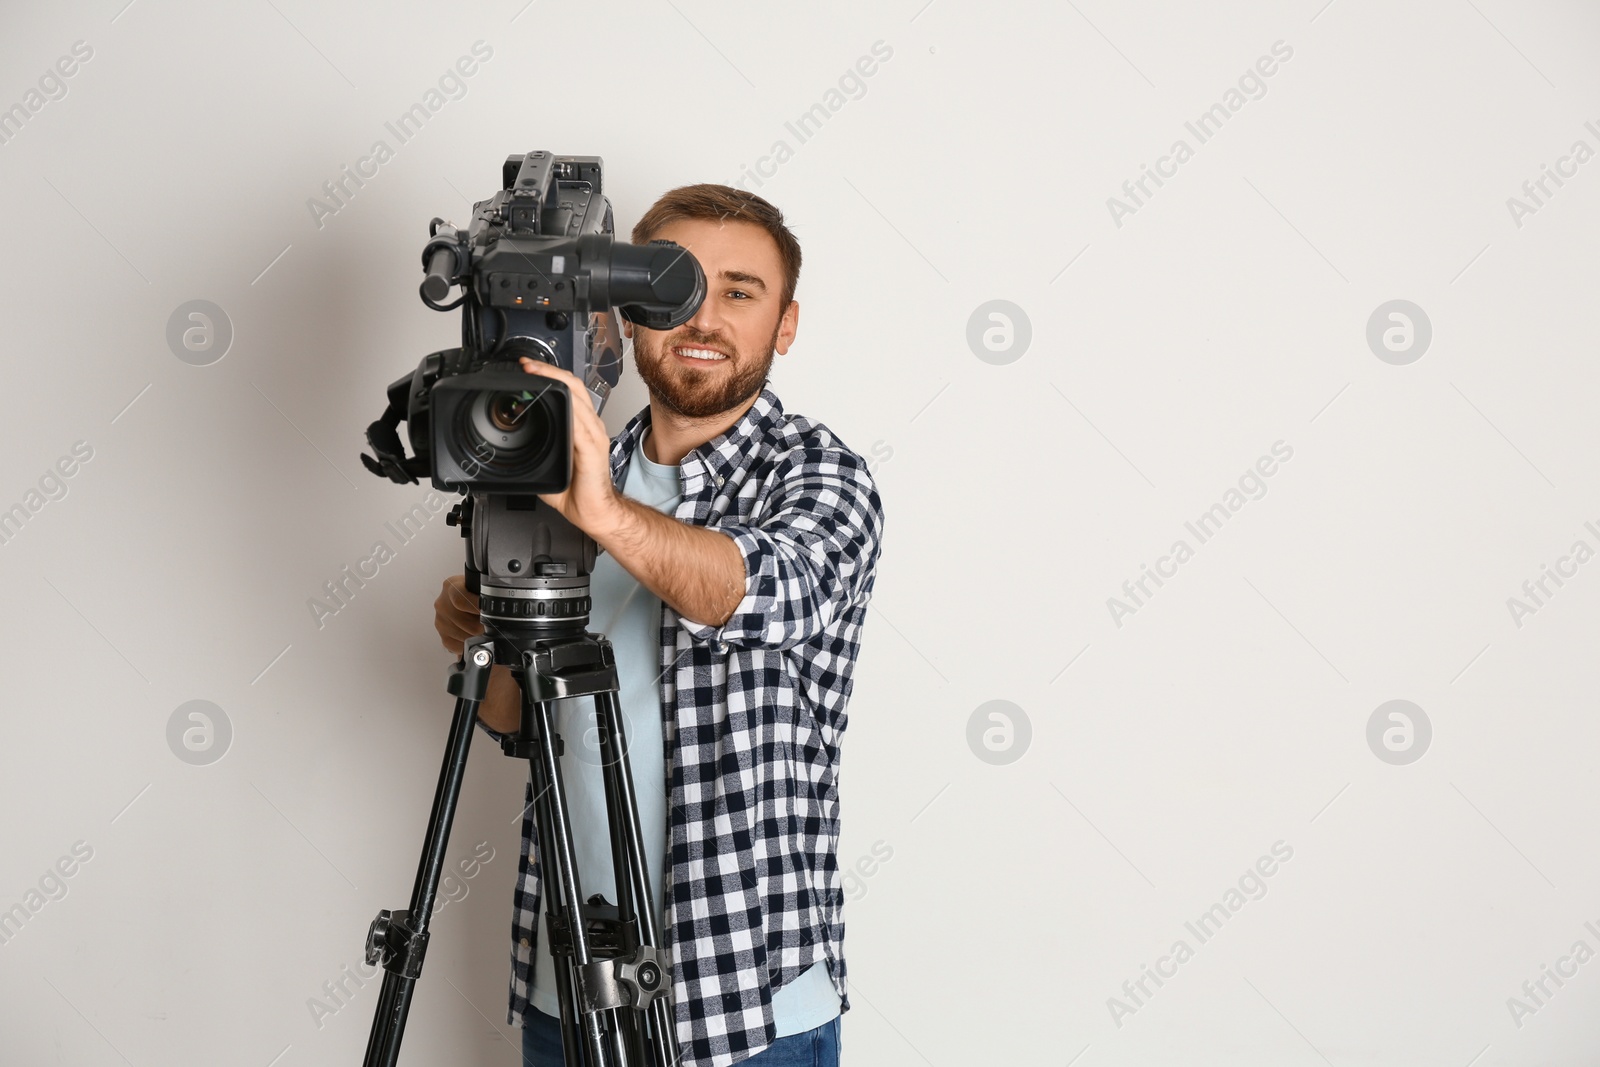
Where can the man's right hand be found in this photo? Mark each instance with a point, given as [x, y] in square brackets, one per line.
[455, 616]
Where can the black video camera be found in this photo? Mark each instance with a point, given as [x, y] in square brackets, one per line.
[540, 275]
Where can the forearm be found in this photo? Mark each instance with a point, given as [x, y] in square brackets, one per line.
[697, 572]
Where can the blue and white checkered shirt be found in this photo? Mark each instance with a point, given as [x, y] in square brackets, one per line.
[753, 712]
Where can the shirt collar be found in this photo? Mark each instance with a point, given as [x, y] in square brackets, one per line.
[719, 458]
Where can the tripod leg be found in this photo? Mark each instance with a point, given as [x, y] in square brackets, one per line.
[623, 808]
[573, 1048]
[558, 853]
[398, 940]
[627, 1039]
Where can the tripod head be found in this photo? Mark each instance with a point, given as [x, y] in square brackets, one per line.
[529, 566]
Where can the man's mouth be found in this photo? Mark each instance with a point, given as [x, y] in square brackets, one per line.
[699, 355]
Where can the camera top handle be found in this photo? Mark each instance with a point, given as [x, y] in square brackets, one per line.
[531, 222]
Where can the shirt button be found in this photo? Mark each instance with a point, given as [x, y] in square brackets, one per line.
[524, 942]
[719, 479]
[722, 646]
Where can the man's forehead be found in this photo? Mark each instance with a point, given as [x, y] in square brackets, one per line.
[736, 244]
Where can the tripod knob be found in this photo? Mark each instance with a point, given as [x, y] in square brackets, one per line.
[642, 975]
[394, 945]
[378, 937]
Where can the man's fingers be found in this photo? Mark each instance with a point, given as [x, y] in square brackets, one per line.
[455, 595]
[453, 643]
[455, 614]
[545, 370]
[456, 611]
[457, 628]
[536, 366]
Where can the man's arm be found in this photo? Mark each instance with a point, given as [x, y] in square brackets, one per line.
[773, 584]
[808, 557]
[697, 572]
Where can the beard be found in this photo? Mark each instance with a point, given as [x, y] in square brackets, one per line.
[700, 394]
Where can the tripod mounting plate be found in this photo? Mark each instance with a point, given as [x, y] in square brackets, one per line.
[562, 667]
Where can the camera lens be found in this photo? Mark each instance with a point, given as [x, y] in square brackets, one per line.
[507, 431]
[508, 411]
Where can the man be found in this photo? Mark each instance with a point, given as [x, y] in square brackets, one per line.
[739, 547]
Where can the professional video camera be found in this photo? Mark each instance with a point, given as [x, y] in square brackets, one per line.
[539, 271]
[540, 276]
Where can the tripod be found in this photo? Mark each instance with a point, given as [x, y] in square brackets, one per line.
[612, 975]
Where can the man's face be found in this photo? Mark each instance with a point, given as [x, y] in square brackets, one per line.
[719, 359]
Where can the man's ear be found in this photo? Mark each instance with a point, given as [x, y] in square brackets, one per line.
[788, 326]
[627, 328]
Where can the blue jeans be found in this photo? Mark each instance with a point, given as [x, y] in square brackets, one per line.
[541, 1045]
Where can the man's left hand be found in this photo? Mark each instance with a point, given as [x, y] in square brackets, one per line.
[590, 502]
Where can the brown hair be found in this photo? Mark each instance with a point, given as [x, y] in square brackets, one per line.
[718, 202]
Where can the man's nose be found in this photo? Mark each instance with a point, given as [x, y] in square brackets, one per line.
[707, 320]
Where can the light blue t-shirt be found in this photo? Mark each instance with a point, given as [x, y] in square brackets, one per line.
[630, 615]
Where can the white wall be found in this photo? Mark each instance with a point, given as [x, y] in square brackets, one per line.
[1171, 347]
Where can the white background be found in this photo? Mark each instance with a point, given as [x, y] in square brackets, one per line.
[1168, 353]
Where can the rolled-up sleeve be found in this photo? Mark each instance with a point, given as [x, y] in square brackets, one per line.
[808, 555]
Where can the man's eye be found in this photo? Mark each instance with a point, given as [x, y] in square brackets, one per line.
[739, 292]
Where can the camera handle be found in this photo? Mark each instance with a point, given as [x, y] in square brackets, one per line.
[384, 438]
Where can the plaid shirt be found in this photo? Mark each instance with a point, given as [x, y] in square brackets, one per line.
[753, 712]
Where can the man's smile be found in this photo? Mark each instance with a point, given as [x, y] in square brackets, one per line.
[694, 354]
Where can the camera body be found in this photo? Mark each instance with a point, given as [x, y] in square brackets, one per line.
[541, 276]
